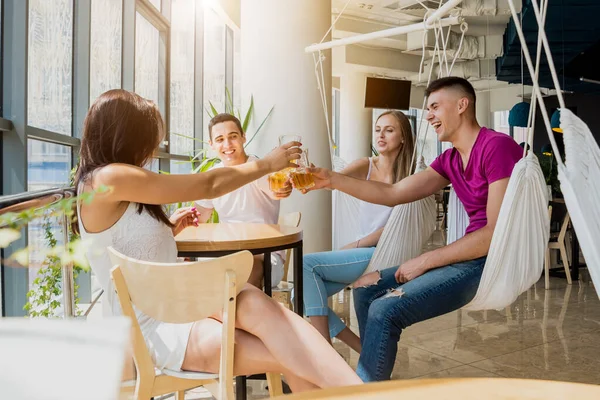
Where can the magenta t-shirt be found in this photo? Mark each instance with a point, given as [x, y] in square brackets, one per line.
[492, 158]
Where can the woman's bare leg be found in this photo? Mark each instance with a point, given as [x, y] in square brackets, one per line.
[294, 343]
[250, 354]
[350, 338]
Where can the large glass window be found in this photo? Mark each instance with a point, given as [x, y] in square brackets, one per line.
[48, 166]
[181, 167]
[182, 76]
[105, 46]
[214, 63]
[50, 65]
[146, 58]
[426, 142]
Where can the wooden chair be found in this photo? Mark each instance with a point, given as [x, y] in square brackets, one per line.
[62, 359]
[557, 242]
[283, 292]
[181, 293]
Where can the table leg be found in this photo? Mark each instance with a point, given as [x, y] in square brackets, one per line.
[267, 274]
[298, 286]
[575, 257]
[240, 388]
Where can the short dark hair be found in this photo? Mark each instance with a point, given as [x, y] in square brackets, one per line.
[224, 117]
[455, 83]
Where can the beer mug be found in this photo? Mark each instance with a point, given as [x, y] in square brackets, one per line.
[278, 180]
[283, 139]
[300, 176]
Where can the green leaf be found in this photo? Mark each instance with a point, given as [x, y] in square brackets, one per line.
[228, 102]
[260, 126]
[213, 109]
[248, 116]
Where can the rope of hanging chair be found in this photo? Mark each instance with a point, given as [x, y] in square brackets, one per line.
[536, 86]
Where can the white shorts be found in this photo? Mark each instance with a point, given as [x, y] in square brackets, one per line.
[276, 269]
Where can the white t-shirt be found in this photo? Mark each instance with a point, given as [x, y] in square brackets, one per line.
[251, 203]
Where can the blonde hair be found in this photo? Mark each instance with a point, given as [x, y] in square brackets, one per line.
[402, 164]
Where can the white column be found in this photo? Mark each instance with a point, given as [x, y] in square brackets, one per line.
[482, 110]
[277, 72]
[355, 120]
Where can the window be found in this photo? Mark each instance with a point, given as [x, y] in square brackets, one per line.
[146, 58]
[501, 121]
[105, 46]
[182, 76]
[48, 166]
[50, 65]
[153, 165]
[181, 167]
[214, 63]
[427, 143]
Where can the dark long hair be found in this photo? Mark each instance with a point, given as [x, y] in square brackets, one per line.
[120, 127]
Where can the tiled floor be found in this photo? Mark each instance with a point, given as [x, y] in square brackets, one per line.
[551, 334]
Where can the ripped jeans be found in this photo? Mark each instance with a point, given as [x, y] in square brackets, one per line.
[384, 309]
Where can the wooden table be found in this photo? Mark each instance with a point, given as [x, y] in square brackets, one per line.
[216, 240]
[456, 389]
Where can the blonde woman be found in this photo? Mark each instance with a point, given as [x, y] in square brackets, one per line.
[329, 272]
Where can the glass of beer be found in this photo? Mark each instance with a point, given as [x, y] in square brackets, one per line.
[300, 176]
[279, 179]
[283, 139]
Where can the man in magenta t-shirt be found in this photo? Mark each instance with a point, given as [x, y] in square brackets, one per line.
[439, 281]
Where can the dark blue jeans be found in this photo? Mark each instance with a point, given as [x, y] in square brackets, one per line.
[386, 308]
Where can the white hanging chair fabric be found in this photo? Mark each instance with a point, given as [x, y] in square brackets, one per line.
[579, 175]
[405, 233]
[580, 185]
[345, 227]
[458, 219]
[515, 260]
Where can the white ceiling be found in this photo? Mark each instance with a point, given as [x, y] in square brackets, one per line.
[486, 19]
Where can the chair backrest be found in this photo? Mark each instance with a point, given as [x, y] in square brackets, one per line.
[62, 359]
[289, 219]
[175, 292]
[180, 292]
[563, 227]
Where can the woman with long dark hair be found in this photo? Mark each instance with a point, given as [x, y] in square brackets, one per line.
[121, 133]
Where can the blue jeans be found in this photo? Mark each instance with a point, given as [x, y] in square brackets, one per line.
[384, 309]
[327, 273]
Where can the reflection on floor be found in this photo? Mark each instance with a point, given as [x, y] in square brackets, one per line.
[551, 334]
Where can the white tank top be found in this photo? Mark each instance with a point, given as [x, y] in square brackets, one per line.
[371, 216]
[140, 236]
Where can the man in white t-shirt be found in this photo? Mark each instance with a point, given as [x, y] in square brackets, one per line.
[252, 203]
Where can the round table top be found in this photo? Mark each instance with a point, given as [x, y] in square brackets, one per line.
[457, 388]
[236, 236]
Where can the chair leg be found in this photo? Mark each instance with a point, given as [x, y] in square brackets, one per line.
[274, 383]
[180, 395]
[143, 389]
[547, 268]
[565, 260]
